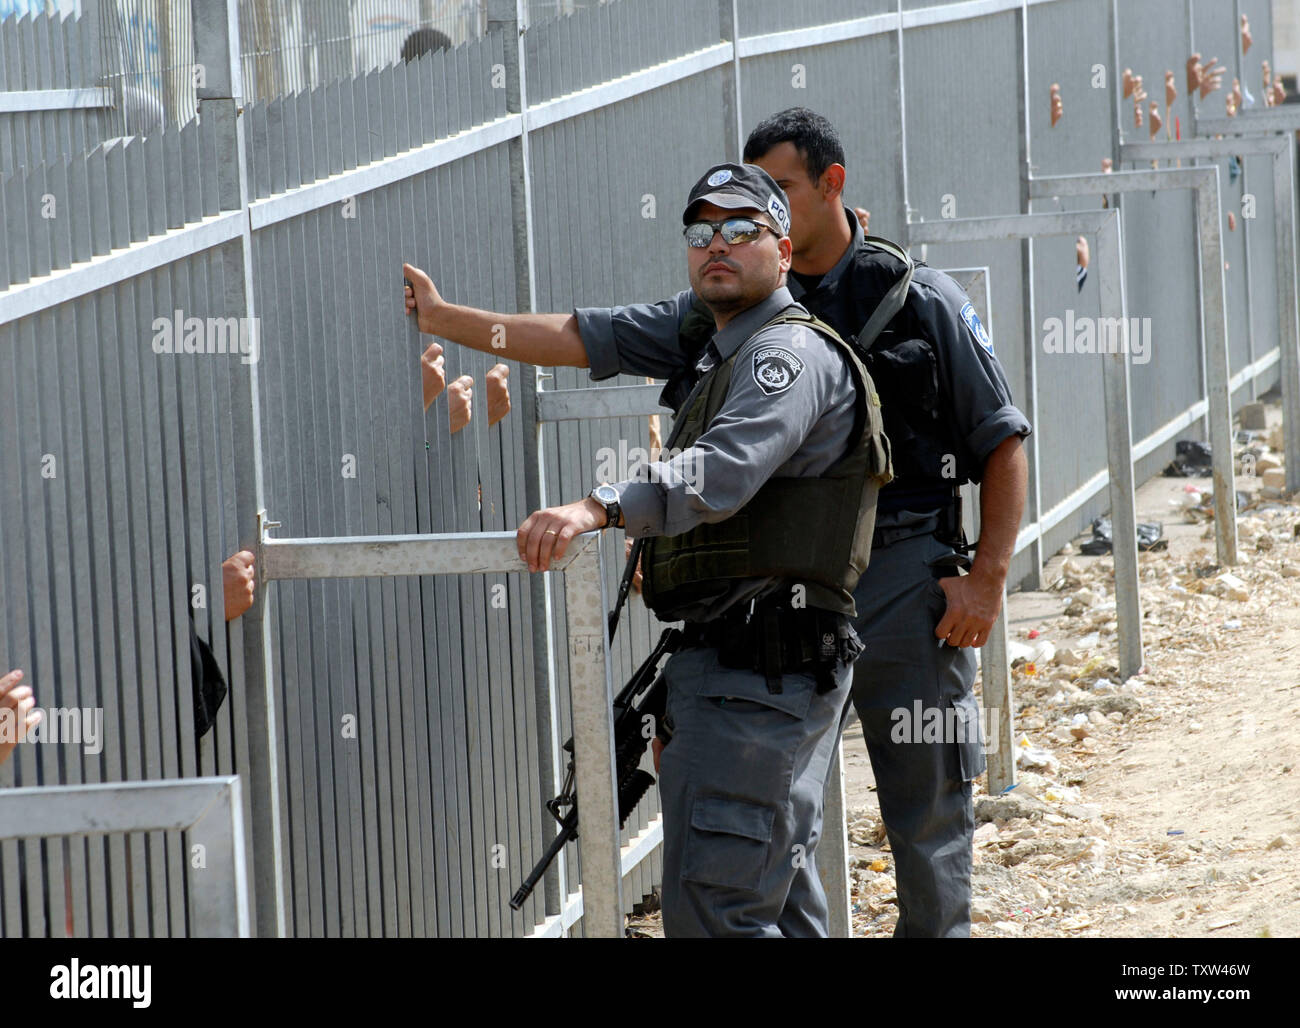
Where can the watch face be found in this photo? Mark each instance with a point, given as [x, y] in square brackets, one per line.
[605, 494]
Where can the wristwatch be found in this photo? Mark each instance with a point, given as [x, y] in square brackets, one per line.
[607, 496]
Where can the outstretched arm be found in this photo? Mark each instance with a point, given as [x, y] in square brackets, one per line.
[549, 340]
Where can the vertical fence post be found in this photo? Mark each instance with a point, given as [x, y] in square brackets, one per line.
[833, 853]
[595, 770]
[216, 52]
[1288, 328]
[729, 28]
[510, 18]
[1119, 452]
[1214, 356]
[1035, 576]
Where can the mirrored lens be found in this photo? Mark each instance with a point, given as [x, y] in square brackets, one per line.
[699, 234]
[734, 230]
[740, 230]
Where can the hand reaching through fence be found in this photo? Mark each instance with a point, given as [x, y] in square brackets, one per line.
[433, 372]
[1246, 38]
[498, 393]
[864, 218]
[238, 583]
[1156, 120]
[460, 395]
[1057, 108]
[17, 717]
[1171, 90]
[1211, 77]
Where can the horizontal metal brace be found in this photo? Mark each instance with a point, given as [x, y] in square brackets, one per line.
[21, 101]
[599, 402]
[1270, 119]
[1202, 148]
[379, 556]
[1142, 180]
[1010, 226]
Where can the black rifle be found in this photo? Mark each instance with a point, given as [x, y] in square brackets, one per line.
[643, 696]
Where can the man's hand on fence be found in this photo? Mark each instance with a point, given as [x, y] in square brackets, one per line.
[433, 373]
[973, 605]
[238, 583]
[498, 393]
[545, 535]
[460, 396]
[16, 715]
[422, 298]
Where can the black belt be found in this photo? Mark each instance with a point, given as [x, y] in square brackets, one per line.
[776, 639]
[883, 537]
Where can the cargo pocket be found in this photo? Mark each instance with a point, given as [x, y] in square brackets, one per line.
[969, 737]
[728, 843]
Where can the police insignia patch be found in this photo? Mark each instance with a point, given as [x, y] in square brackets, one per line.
[776, 369]
[719, 177]
[972, 320]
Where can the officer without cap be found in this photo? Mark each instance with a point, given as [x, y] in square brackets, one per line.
[758, 529]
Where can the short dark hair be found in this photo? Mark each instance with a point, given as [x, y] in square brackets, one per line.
[422, 41]
[812, 135]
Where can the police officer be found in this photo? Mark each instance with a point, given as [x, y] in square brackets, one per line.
[950, 419]
[758, 529]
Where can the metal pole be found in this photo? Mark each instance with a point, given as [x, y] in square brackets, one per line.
[1035, 576]
[595, 770]
[994, 668]
[729, 26]
[216, 43]
[1119, 450]
[219, 897]
[833, 854]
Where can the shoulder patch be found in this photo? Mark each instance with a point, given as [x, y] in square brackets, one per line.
[776, 369]
[972, 320]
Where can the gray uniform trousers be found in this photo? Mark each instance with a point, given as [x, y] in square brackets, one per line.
[742, 784]
[924, 788]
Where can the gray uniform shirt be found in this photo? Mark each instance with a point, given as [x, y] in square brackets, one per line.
[975, 395]
[788, 412]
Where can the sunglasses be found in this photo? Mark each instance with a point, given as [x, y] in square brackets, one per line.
[699, 234]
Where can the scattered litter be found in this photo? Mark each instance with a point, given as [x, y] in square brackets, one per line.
[1192, 459]
[1175, 831]
[1150, 535]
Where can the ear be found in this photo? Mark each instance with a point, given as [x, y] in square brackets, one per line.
[785, 250]
[833, 181]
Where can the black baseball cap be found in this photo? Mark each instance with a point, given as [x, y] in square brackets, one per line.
[735, 186]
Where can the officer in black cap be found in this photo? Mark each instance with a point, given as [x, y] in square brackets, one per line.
[950, 419]
[758, 529]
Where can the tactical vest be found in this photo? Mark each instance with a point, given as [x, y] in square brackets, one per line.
[813, 532]
[906, 374]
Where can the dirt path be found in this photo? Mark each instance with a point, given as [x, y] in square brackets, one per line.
[1176, 809]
